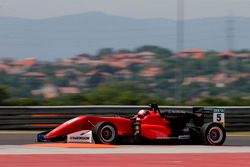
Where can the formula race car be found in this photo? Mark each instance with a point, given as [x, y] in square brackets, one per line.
[150, 125]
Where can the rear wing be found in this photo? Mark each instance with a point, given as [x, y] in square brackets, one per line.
[208, 114]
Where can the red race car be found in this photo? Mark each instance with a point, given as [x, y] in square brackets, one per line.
[147, 126]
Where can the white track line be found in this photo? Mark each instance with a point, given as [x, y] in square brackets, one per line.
[10, 149]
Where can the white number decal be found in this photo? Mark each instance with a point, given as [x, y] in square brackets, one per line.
[219, 116]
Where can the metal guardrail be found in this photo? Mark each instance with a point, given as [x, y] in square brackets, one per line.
[43, 118]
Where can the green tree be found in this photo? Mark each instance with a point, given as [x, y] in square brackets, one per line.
[4, 95]
[95, 80]
[154, 49]
[121, 93]
[105, 51]
[106, 68]
[123, 51]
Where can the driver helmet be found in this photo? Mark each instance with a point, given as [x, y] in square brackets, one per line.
[143, 113]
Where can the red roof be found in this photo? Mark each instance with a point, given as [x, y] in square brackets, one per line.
[219, 77]
[192, 51]
[137, 60]
[124, 72]
[29, 62]
[4, 67]
[228, 54]
[69, 90]
[34, 74]
[91, 72]
[151, 72]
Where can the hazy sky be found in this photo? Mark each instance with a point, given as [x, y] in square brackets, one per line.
[130, 8]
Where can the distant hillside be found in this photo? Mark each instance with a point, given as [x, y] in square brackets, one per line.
[65, 36]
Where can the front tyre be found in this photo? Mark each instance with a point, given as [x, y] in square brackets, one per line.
[105, 133]
[213, 134]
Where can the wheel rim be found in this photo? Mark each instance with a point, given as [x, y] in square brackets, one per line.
[107, 133]
[215, 135]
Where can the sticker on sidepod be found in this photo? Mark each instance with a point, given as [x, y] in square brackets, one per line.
[83, 136]
[219, 116]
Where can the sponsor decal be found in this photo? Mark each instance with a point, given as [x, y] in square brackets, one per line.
[184, 137]
[179, 137]
[163, 137]
[83, 136]
[79, 138]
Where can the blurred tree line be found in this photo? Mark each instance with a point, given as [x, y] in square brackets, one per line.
[135, 89]
[115, 94]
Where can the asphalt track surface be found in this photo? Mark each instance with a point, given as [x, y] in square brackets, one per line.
[14, 152]
[19, 139]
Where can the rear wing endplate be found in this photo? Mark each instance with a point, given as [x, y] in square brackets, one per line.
[217, 112]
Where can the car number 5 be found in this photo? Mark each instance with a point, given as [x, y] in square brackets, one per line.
[218, 117]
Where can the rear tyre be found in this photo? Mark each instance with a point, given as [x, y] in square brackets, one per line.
[213, 134]
[105, 133]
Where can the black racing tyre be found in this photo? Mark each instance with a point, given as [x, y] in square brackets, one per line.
[105, 133]
[213, 134]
